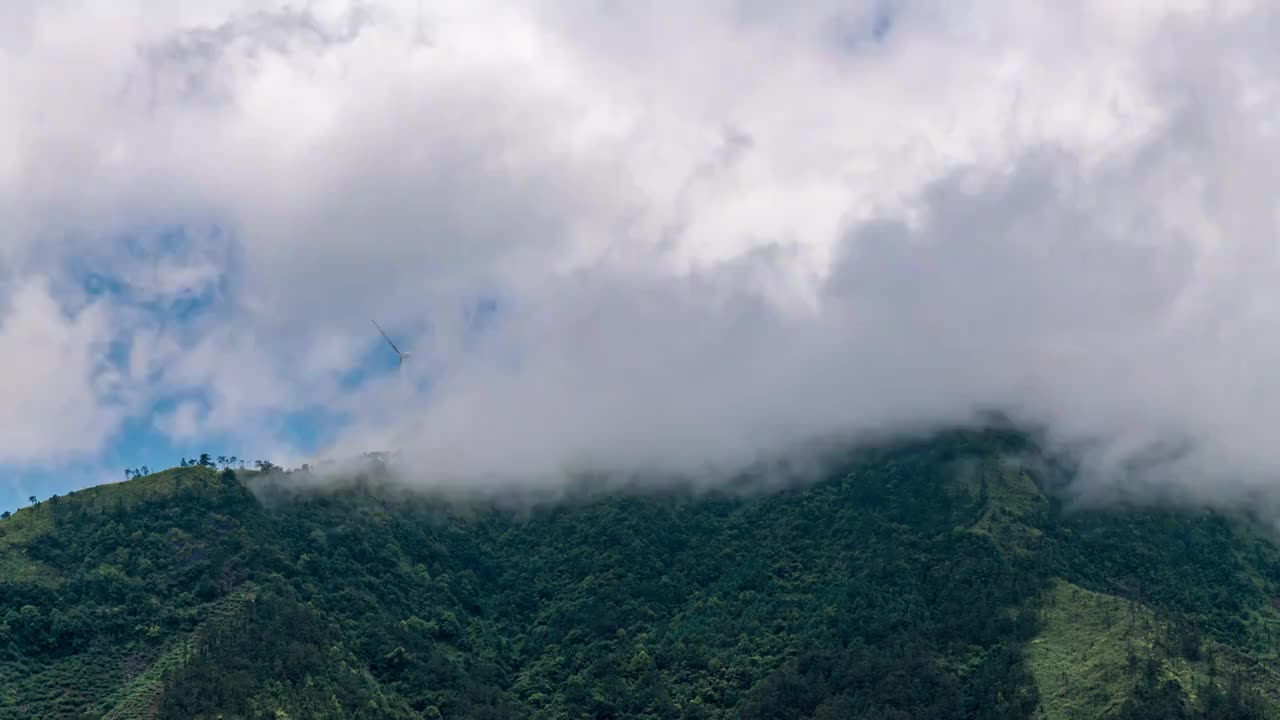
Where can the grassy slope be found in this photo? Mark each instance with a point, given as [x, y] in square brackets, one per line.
[19, 530]
[57, 688]
[1081, 658]
[136, 699]
[117, 680]
[124, 680]
[30, 523]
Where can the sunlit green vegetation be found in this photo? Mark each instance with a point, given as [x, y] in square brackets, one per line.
[934, 579]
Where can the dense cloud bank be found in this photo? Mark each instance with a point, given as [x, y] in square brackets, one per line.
[661, 238]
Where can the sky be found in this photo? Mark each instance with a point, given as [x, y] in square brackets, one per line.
[651, 238]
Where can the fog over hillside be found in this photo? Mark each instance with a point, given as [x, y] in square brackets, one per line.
[662, 237]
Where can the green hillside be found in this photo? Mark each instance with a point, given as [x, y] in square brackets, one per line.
[932, 579]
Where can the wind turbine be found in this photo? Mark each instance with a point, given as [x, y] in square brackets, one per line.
[400, 356]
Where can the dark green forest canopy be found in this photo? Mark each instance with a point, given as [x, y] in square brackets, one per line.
[938, 578]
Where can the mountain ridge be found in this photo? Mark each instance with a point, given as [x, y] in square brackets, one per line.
[941, 577]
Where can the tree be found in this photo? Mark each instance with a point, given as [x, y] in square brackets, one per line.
[205, 461]
[6, 514]
[222, 460]
[33, 500]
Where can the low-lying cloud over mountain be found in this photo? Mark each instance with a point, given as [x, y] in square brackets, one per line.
[660, 236]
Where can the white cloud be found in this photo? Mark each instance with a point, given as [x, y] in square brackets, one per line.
[713, 228]
[183, 422]
[57, 395]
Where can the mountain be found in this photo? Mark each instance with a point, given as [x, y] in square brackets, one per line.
[938, 578]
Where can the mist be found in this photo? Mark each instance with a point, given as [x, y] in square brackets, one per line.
[1046, 292]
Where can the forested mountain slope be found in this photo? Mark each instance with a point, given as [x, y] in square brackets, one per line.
[932, 579]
